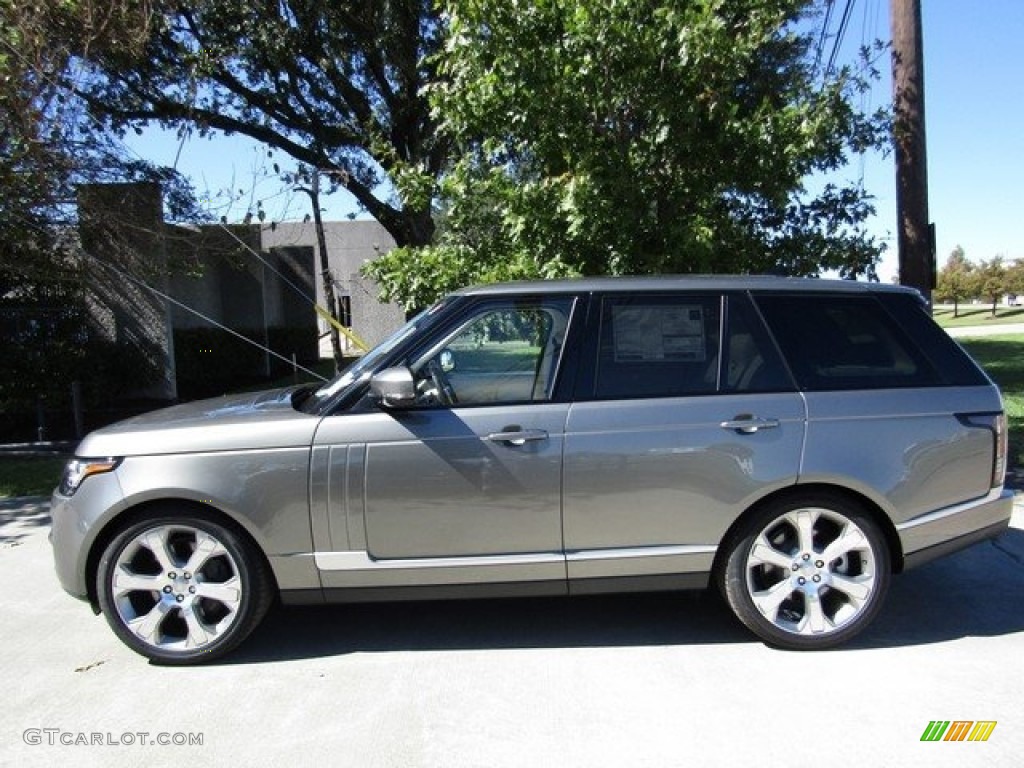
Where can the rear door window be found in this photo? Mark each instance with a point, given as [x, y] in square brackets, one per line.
[658, 346]
[670, 346]
[751, 360]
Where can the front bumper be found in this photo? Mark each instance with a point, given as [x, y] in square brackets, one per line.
[75, 523]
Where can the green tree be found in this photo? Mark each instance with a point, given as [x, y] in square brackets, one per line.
[992, 281]
[340, 86]
[956, 280]
[640, 136]
[1015, 278]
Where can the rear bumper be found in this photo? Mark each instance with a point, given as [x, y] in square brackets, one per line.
[948, 530]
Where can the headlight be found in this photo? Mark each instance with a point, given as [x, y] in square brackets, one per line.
[76, 470]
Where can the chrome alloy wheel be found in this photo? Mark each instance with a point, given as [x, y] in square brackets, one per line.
[181, 588]
[806, 571]
[176, 587]
[811, 571]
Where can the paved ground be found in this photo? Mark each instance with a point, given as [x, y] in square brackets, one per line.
[650, 680]
[1001, 329]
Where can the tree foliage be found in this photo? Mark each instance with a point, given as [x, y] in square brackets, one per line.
[340, 86]
[956, 280]
[991, 281]
[48, 144]
[961, 280]
[640, 136]
[1015, 278]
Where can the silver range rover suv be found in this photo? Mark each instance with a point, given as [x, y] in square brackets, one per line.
[793, 442]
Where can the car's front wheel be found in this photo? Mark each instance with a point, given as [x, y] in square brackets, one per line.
[181, 589]
[806, 573]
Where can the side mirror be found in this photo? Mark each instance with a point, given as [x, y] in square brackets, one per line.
[394, 387]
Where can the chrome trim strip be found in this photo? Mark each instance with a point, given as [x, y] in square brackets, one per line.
[931, 517]
[623, 553]
[358, 560]
[362, 561]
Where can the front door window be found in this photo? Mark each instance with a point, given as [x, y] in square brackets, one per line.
[503, 354]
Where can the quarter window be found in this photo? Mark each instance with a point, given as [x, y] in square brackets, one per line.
[835, 343]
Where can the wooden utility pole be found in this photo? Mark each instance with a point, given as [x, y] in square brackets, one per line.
[325, 269]
[916, 240]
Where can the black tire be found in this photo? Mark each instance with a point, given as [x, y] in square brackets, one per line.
[781, 580]
[163, 610]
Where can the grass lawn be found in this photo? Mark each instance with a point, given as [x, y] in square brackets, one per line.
[1003, 358]
[29, 476]
[977, 314]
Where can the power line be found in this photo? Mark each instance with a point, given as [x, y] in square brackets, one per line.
[829, 5]
[844, 23]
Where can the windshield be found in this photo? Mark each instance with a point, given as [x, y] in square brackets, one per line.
[369, 361]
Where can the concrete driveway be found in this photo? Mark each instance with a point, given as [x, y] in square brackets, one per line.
[650, 680]
[999, 329]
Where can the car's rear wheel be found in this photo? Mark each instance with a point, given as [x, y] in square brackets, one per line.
[181, 589]
[806, 572]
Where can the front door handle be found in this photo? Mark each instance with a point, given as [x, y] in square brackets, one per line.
[517, 436]
[746, 424]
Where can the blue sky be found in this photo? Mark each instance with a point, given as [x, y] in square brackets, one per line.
[974, 91]
[974, 111]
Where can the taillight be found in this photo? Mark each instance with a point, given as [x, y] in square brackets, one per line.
[996, 424]
[1002, 448]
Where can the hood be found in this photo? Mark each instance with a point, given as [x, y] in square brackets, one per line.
[250, 421]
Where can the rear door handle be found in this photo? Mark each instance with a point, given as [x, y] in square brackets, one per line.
[515, 436]
[748, 425]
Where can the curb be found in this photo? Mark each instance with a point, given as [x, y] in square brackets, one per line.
[55, 448]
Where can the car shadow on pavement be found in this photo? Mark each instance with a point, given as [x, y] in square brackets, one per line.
[552, 622]
[977, 592]
[20, 517]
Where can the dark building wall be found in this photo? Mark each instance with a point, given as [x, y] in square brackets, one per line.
[121, 229]
[265, 296]
[211, 270]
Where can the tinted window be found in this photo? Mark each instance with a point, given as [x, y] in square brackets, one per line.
[946, 356]
[839, 342]
[658, 346]
[752, 363]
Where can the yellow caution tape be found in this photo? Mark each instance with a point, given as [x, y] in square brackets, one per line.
[348, 332]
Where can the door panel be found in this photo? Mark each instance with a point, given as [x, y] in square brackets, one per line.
[667, 475]
[439, 487]
[464, 484]
[439, 496]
